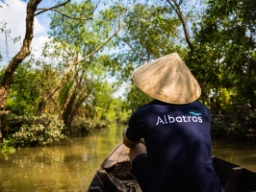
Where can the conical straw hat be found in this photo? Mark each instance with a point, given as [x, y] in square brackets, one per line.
[167, 79]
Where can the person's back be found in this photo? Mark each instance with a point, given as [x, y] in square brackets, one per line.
[176, 152]
[177, 139]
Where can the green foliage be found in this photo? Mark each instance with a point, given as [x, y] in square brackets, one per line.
[88, 95]
[25, 91]
[98, 105]
[151, 32]
[136, 98]
[225, 66]
[118, 111]
[7, 146]
[84, 126]
[83, 30]
[64, 91]
[39, 131]
[224, 43]
[223, 62]
[234, 124]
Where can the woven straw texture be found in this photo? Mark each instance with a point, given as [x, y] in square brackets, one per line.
[167, 79]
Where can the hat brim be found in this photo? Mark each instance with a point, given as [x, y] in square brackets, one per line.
[167, 79]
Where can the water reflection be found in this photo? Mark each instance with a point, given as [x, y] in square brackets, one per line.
[71, 166]
[68, 167]
[240, 153]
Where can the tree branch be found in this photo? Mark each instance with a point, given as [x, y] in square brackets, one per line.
[73, 63]
[176, 7]
[76, 18]
[51, 8]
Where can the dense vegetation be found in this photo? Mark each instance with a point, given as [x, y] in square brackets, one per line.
[69, 92]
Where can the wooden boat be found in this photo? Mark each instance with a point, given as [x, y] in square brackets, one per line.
[113, 175]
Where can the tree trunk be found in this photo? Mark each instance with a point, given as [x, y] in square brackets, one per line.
[18, 58]
[43, 101]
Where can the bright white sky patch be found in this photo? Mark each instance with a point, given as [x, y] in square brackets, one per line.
[13, 13]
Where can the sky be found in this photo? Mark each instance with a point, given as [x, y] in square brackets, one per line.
[13, 13]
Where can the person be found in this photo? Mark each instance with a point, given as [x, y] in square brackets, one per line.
[169, 138]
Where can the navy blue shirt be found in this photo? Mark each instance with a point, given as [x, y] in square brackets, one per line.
[178, 143]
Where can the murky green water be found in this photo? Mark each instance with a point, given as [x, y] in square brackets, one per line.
[66, 168]
[240, 153]
[71, 166]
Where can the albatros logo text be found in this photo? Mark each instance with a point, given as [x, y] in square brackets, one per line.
[192, 117]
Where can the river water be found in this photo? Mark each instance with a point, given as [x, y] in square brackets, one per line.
[70, 166]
